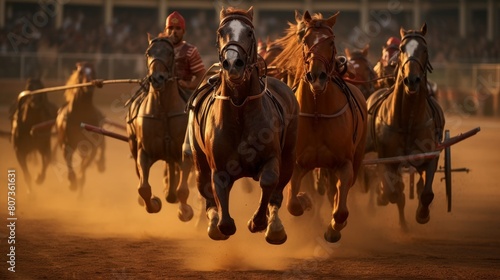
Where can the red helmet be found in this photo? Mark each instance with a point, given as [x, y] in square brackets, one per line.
[175, 19]
[393, 42]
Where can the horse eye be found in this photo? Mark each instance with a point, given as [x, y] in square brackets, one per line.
[250, 33]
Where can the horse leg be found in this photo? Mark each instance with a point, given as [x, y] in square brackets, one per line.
[426, 197]
[185, 212]
[101, 162]
[345, 179]
[204, 184]
[87, 159]
[143, 162]
[268, 180]
[68, 157]
[222, 185]
[275, 233]
[297, 202]
[392, 190]
[171, 180]
[21, 158]
[45, 164]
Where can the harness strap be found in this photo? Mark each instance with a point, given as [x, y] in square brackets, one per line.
[316, 115]
[248, 98]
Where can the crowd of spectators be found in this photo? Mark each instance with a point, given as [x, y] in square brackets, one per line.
[83, 31]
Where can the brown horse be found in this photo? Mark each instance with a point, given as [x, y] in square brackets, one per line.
[243, 126]
[406, 120]
[332, 118]
[79, 108]
[364, 77]
[30, 111]
[273, 48]
[156, 125]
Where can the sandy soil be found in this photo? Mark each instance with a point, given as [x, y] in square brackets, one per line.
[105, 234]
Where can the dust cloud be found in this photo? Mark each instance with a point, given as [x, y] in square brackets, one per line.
[108, 207]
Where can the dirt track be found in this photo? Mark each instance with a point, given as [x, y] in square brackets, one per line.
[105, 234]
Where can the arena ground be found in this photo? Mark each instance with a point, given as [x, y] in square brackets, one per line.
[105, 234]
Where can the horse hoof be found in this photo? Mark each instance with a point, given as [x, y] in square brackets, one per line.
[73, 186]
[154, 205]
[295, 209]
[332, 235]
[171, 198]
[276, 237]
[253, 227]
[185, 213]
[215, 234]
[423, 215]
[337, 226]
[227, 228]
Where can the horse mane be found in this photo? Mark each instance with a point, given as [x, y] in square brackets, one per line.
[291, 58]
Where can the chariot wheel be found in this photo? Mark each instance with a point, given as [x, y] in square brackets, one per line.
[447, 169]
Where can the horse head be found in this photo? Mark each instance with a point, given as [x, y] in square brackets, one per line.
[84, 73]
[236, 44]
[160, 59]
[364, 77]
[413, 60]
[318, 50]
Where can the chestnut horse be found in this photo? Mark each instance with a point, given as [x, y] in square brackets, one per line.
[156, 125]
[406, 120]
[30, 111]
[72, 138]
[244, 125]
[364, 77]
[332, 118]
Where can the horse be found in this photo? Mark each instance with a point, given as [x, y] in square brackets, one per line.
[30, 111]
[332, 118]
[156, 127]
[244, 125]
[405, 120]
[273, 48]
[79, 108]
[364, 77]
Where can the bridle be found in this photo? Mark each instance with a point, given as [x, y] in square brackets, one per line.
[311, 55]
[425, 66]
[170, 73]
[250, 54]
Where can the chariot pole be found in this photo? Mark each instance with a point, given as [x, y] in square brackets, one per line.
[97, 82]
[104, 132]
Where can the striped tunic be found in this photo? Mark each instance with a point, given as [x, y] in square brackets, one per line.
[188, 61]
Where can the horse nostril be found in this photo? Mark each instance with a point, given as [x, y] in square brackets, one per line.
[406, 81]
[322, 76]
[239, 63]
[309, 77]
[417, 80]
[225, 65]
